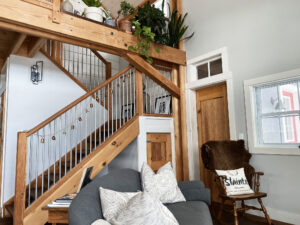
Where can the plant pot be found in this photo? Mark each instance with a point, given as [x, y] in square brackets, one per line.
[94, 13]
[125, 25]
[110, 23]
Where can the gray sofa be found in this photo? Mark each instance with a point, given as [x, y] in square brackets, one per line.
[86, 207]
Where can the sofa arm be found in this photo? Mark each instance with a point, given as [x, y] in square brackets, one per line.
[195, 191]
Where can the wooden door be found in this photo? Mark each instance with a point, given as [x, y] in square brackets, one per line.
[213, 125]
[159, 150]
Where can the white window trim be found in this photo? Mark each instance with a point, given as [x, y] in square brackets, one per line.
[193, 84]
[249, 86]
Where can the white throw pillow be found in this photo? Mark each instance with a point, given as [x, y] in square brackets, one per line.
[142, 209]
[100, 222]
[162, 185]
[236, 182]
[112, 202]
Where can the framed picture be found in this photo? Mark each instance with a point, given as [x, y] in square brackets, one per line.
[127, 110]
[163, 105]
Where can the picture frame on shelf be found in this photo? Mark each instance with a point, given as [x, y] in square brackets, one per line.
[127, 111]
[163, 105]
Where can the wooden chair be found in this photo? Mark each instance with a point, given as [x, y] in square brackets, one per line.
[229, 155]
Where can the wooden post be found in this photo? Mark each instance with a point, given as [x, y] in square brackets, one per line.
[177, 133]
[20, 184]
[56, 16]
[182, 104]
[139, 93]
[109, 93]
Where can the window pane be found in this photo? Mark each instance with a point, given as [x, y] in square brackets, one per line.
[289, 97]
[267, 99]
[290, 129]
[270, 130]
[202, 71]
[216, 67]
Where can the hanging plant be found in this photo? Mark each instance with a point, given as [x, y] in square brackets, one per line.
[145, 36]
[176, 28]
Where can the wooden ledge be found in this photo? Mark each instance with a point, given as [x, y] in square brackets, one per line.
[34, 20]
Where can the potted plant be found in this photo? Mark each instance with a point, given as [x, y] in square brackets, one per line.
[150, 16]
[108, 18]
[93, 11]
[126, 10]
[176, 29]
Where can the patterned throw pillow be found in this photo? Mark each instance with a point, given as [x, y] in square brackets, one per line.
[113, 202]
[236, 182]
[142, 209]
[100, 222]
[162, 185]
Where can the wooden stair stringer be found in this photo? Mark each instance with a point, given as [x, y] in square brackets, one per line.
[105, 153]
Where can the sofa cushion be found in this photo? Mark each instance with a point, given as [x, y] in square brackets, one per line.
[191, 213]
[86, 207]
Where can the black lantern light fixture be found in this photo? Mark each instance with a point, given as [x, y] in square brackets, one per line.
[37, 72]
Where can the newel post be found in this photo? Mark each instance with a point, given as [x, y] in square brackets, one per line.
[139, 92]
[20, 184]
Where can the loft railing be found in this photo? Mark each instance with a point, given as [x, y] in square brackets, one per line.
[87, 67]
[49, 151]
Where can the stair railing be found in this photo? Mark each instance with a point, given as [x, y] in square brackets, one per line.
[87, 67]
[49, 151]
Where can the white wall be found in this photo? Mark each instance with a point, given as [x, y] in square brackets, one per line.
[262, 37]
[29, 104]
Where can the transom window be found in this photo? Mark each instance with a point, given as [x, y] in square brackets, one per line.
[210, 67]
[278, 113]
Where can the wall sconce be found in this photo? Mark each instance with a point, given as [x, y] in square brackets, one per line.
[37, 72]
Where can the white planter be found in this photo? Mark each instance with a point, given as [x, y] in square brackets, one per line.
[94, 13]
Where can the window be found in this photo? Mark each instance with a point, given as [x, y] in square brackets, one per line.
[273, 114]
[210, 68]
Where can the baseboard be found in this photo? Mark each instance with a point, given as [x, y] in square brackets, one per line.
[279, 215]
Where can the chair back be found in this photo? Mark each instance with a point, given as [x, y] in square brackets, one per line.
[227, 155]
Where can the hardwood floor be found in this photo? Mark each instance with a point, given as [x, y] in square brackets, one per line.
[228, 219]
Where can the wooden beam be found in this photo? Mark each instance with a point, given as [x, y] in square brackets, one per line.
[35, 45]
[20, 38]
[140, 64]
[139, 92]
[99, 158]
[20, 183]
[99, 56]
[177, 130]
[183, 127]
[28, 18]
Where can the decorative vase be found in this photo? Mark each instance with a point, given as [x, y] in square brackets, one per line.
[67, 6]
[94, 13]
[125, 25]
[110, 22]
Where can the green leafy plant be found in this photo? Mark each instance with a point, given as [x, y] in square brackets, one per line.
[92, 3]
[126, 9]
[154, 18]
[108, 14]
[176, 29]
[145, 36]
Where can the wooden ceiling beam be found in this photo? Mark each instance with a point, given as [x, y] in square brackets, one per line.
[18, 43]
[35, 45]
[27, 18]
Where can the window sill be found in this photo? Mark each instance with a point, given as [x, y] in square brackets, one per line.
[269, 150]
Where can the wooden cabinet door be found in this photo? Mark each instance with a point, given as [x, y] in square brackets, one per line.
[159, 150]
[213, 125]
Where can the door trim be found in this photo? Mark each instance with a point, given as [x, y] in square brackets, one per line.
[191, 88]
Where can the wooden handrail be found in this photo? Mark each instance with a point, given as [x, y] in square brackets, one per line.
[65, 109]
